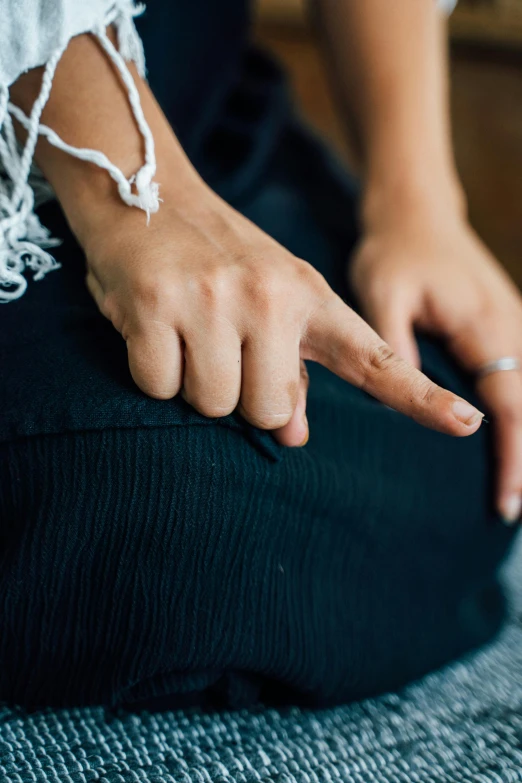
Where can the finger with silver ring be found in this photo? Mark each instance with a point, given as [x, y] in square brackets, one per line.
[504, 364]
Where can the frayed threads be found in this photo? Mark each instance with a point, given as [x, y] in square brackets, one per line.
[22, 237]
[22, 243]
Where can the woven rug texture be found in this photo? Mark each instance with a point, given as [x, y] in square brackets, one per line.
[460, 724]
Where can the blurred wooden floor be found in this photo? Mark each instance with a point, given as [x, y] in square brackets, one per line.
[487, 117]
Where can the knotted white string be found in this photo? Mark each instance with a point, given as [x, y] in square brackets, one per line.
[22, 237]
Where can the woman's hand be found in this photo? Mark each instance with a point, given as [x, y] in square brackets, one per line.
[208, 304]
[212, 307]
[424, 267]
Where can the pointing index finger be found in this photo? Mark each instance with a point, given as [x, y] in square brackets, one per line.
[340, 340]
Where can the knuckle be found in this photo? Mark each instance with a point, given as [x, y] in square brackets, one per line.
[478, 316]
[211, 289]
[151, 295]
[309, 276]
[265, 292]
[306, 272]
[483, 308]
[427, 392]
[272, 291]
[378, 359]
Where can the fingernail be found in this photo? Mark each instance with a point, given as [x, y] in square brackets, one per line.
[511, 509]
[466, 413]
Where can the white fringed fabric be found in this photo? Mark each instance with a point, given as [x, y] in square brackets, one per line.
[23, 240]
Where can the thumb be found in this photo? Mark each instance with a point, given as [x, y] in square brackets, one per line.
[393, 321]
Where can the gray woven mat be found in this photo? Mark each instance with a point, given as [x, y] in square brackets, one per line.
[460, 724]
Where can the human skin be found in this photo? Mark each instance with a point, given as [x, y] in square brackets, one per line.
[209, 305]
[419, 264]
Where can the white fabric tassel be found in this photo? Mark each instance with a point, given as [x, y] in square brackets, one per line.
[22, 237]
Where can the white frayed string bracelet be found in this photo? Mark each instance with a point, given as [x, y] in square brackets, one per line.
[22, 237]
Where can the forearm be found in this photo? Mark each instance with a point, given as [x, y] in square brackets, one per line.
[89, 107]
[390, 67]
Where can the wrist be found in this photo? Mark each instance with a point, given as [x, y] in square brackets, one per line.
[422, 192]
[101, 219]
[89, 109]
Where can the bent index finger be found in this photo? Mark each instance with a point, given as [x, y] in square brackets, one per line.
[339, 339]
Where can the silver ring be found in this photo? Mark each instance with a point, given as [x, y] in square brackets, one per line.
[503, 364]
